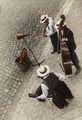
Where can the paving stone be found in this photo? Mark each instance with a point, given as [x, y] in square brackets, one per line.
[2, 117]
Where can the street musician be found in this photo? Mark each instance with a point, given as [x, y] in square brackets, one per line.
[67, 36]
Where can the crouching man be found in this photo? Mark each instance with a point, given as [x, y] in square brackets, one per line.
[53, 85]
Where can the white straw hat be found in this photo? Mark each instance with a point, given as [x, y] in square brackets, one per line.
[43, 70]
[43, 18]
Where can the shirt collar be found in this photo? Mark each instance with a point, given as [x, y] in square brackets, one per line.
[45, 76]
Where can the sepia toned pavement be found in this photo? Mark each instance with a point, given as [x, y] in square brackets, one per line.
[29, 108]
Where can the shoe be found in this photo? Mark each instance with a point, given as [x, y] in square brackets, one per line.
[53, 52]
[50, 96]
[58, 52]
[59, 106]
[77, 71]
[31, 95]
[65, 103]
[71, 97]
[41, 100]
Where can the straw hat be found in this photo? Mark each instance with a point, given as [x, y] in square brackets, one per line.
[60, 23]
[43, 70]
[43, 18]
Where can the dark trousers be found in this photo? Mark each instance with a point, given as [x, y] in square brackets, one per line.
[54, 40]
[38, 91]
[74, 59]
[59, 100]
[61, 93]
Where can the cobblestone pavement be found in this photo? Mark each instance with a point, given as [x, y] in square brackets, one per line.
[19, 16]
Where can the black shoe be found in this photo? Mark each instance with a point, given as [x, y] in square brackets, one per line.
[60, 106]
[53, 52]
[41, 100]
[71, 97]
[31, 95]
[58, 52]
[65, 103]
[50, 96]
[78, 71]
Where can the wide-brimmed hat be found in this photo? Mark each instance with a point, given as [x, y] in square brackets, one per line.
[63, 24]
[43, 18]
[42, 71]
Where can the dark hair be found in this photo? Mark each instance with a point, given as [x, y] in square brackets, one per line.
[63, 17]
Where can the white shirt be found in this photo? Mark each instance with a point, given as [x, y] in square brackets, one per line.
[62, 35]
[50, 30]
[61, 77]
[45, 87]
[44, 91]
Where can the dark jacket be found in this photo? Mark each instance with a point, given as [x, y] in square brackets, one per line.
[55, 85]
[70, 43]
[51, 81]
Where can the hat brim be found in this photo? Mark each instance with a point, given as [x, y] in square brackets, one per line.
[44, 19]
[62, 25]
[43, 74]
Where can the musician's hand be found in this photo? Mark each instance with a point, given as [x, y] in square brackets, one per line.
[44, 35]
[63, 39]
[41, 100]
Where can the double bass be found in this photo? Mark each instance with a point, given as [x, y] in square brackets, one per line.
[65, 54]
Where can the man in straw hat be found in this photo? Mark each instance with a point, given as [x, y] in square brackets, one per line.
[53, 85]
[49, 30]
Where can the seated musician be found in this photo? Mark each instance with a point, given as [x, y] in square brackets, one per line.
[53, 85]
[67, 36]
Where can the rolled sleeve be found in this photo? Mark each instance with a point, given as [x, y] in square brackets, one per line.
[61, 77]
[44, 92]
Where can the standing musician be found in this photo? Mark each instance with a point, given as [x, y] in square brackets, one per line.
[50, 31]
[67, 36]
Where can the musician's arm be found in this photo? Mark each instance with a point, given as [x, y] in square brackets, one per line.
[69, 37]
[61, 77]
[44, 33]
[44, 94]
